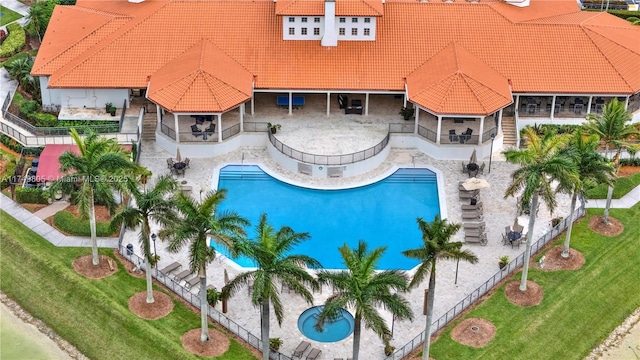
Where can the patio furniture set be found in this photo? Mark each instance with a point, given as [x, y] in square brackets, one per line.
[302, 348]
[296, 101]
[462, 138]
[513, 235]
[166, 271]
[355, 108]
[198, 129]
[178, 167]
[473, 211]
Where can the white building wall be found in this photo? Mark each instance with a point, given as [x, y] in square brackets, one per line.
[79, 98]
[293, 28]
[50, 97]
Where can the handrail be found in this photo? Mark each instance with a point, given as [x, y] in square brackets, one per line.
[124, 110]
[476, 294]
[329, 159]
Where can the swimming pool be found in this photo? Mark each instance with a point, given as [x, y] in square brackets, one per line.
[382, 213]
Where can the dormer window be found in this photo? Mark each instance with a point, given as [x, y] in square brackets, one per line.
[292, 19]
[316, 20]
[354, 20]
[292, 31]
[367, 20]
[304, 20]
[343, 20]
[304, 31]
[316, 31]
[354, 31]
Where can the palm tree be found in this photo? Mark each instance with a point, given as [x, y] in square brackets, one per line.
[154, 204]
[363, 288]
[94, 174]
[614, 129]
[38, 18]
[541, 164]
[270, 251]
[20, 68]
[592, 168]
[200, 221]
[436, 245]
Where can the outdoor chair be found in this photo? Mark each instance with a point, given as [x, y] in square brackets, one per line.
[191, 282]
[481, 169]
[313, 354]
[183, 274]
[472, 215]
[505, 239]
[474, 225]
[452, 136]
[169, 268]
[211, 129]
[186, 162]
[195, 131]
[507, 229]
[464, 169]
[518, 228]
[477, 206]
[170, 163]
[302, 347]
[482, 239]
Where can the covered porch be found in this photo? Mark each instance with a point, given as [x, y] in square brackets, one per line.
[567, 106]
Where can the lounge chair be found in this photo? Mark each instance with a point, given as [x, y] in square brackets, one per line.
[302, 347]
[474, 225]
[482, 239]
[313, 354]
[473, 232]
[477, 206]
[464, 194]
[183, 274]
[193, 281]
[472, 215]
[169, 268]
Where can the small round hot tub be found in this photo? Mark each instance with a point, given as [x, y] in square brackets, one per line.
[332, 330]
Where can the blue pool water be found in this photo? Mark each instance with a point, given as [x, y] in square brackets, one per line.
[332, 331]
[383, 213]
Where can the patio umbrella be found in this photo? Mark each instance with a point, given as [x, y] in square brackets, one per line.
[474, 184]
[473, 159]
[178, 156]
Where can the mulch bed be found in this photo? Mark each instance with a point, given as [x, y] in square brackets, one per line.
[161, 306]
[84, 266]
[217, 345]
[475, 332]
[34, 207]
[129, 265]
[553, 259]
[614, 228]
[102, 214]
[530, 297]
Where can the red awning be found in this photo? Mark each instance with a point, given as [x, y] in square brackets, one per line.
[49, 166]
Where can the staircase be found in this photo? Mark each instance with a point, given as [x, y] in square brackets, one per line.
[149, 127]
[509, 131]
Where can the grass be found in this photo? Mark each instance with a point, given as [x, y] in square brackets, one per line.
[622, 186]
[8, 16]
[92, 315]
[579, 310]
[9, 164]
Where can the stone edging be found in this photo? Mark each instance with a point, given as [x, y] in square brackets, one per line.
[615, 338]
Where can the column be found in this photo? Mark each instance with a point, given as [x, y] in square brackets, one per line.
[499, 131]
[481, 130]
[242, 117]
[439, 129]
[159, 117]
[415, 128]
[553, 107]
[219, 127]
[328, 103]
[516, 105]
[290, 102]
[589, 105]
[175, 119]
[626, 103]
[366, 103]
[253, 112]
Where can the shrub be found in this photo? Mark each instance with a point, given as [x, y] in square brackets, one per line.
[11, 143]
[623, 13]
[630, 162]
[14, 42]
[43, 119]
[68, 223]
[28, 107]
[31, 196]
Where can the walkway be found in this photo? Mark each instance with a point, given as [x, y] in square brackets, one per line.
[625, 202]
[47, 231]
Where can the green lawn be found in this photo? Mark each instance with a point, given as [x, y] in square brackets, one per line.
[8, 15]
[91, 314]
[579, 310]
[622, 186]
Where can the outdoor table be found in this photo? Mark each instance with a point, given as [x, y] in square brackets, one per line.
[472, 167]
[513, 236]
[179, 165]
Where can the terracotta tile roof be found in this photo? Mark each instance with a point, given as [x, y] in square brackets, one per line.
[549, 47]
[343, 7]
[454, 81]
[190, 83]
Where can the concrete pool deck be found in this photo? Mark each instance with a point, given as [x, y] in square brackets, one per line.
[498, 213]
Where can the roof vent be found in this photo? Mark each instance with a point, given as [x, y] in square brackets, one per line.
[136, 1]
[518, 3]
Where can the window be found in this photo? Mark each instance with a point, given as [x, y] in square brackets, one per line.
[316, 31]
[367, 20]
[354, 31]
[292, 31]
[341, 31]
[354, 20]
[343, 20]
[367, 32]
[316, 20]
[292, 19]
[304, 20]
[304, 31]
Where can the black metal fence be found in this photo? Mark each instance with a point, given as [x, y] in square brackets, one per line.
[194, 299]
[458, 308]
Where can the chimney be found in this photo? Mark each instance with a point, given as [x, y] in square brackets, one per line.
[330, 38]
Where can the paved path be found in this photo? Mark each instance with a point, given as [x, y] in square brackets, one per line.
[627, 201]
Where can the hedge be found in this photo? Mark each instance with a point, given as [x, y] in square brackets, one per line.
[11, 143]
[68, 223]
[630, 162]
[14, 42]
[624, 13]
[31, 196]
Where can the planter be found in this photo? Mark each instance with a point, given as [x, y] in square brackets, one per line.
[502, 266]
[273, 130]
